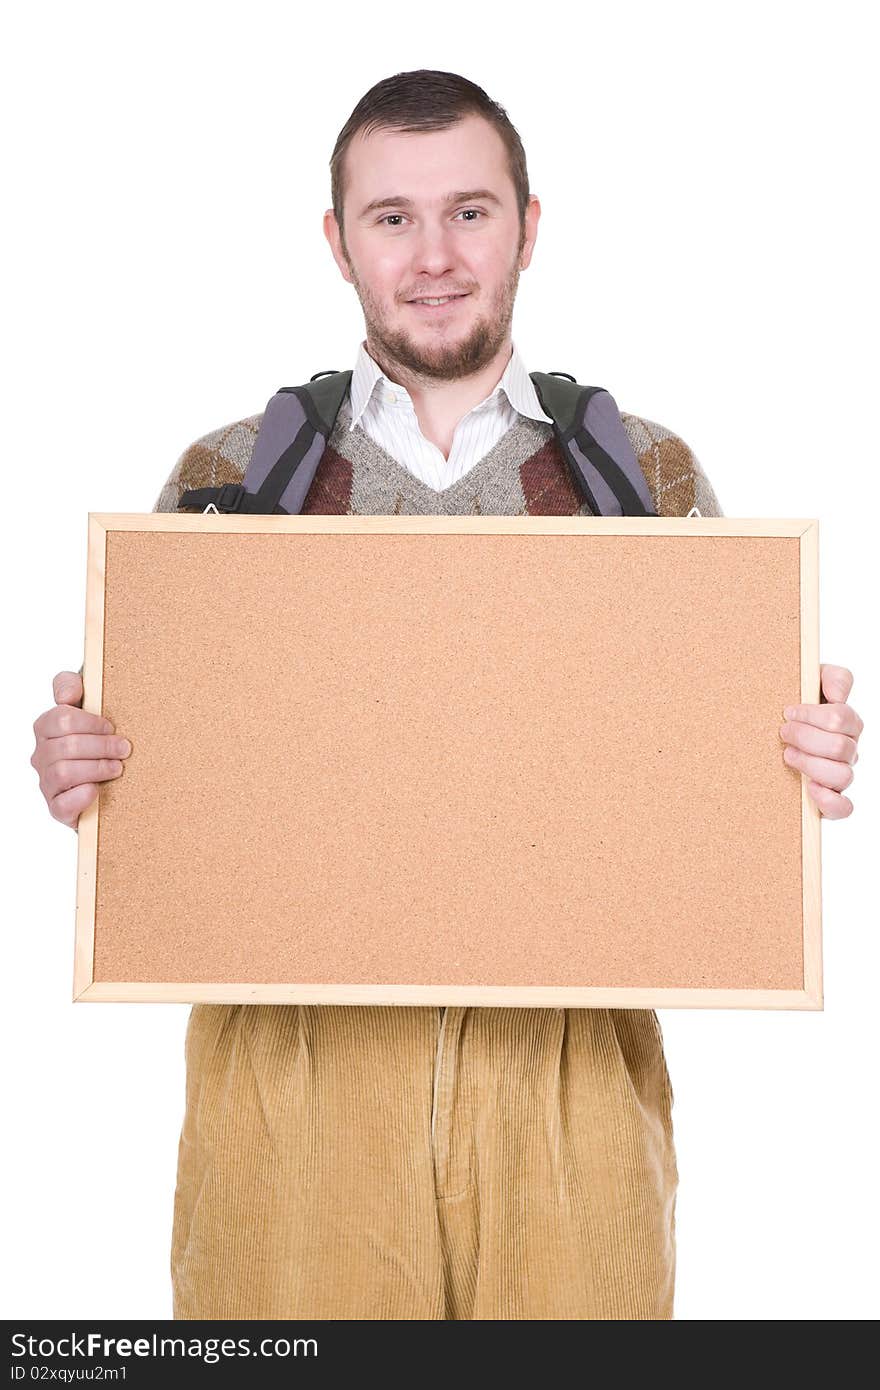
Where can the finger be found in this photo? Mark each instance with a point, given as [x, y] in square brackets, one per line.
[832, 805]
[66, 719]
[67, 688]
[84, 746]
[838, 747]
[836, 682]
[823, 771]
[838, 719]
[68, 806]
[75, 772]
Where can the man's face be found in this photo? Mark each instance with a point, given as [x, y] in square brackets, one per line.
[420, 245]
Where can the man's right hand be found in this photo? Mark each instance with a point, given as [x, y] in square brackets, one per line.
[74, 752]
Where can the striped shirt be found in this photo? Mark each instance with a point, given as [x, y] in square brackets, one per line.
[386, 413]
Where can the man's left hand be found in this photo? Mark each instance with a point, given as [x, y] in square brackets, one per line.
[822, 742]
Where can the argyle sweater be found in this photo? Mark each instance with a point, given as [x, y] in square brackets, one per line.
[523, 474]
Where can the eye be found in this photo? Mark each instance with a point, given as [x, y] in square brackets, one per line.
[389, 215]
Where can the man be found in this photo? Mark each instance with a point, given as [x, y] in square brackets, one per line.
[358, 1162]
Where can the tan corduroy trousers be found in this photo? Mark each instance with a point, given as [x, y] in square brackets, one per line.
[345, 1162]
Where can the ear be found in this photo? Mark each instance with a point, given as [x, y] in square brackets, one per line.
[533, 213]
[334, 237]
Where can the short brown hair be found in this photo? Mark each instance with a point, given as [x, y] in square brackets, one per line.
[426, 100]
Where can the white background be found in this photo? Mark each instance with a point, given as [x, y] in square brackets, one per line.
[707, 252]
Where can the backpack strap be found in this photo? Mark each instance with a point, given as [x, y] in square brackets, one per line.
[293, 434]
[298, 421]
[595, 444]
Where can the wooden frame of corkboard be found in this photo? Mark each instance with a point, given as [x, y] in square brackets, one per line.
[409, 760]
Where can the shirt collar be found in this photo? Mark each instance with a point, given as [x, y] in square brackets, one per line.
[516, 384]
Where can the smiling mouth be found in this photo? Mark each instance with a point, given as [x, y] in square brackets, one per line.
[432, 306]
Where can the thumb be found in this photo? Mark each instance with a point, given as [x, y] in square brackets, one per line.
[836, 683]
[67, 688]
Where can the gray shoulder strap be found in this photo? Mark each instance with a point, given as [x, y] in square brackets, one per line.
[596, 445]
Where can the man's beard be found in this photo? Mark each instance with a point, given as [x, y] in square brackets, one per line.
[441, 360]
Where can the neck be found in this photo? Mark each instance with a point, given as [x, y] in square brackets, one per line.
[439, 405]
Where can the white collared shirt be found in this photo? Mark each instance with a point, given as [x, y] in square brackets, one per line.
[386, 413]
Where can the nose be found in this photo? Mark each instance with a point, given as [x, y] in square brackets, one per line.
[433, 252]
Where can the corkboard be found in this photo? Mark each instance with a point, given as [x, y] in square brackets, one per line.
[455, 760]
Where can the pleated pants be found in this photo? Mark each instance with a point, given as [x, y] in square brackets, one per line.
[342, 1162]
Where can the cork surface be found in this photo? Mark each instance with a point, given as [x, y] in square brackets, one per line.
[451, 759]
